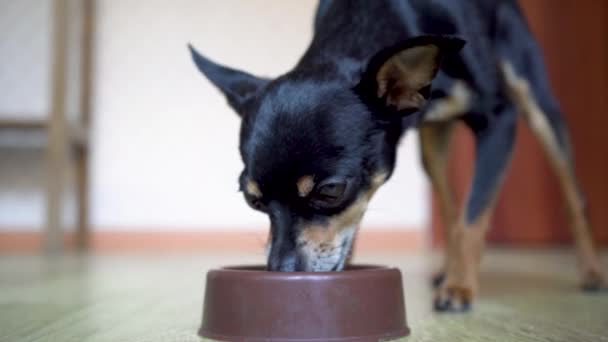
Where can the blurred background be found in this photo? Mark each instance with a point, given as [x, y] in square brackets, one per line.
[110, 139]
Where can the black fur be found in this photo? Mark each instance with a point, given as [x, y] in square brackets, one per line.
[324, 117]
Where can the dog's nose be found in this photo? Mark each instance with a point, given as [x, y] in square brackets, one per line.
[284, 261]
[284, 265]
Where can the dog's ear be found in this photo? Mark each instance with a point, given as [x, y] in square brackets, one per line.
[238, 86]
[399, 77]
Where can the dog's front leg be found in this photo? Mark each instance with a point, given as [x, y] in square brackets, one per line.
[434, 142]
[460, 285]
[435, 133]
[494, 145]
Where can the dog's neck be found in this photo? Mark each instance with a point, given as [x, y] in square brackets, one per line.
[340, 50]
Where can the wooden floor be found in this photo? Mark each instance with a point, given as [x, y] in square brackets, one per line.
[526, 296]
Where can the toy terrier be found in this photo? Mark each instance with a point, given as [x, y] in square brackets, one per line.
[318, 141]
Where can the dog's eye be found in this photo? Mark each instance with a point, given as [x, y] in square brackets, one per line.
[330, 193]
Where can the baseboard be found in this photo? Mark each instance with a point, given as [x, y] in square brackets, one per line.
[203, 241]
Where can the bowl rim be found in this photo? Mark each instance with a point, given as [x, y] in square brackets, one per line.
[258, 271]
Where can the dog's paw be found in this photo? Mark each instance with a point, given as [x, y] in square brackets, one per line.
[454, 298]
[594, 281]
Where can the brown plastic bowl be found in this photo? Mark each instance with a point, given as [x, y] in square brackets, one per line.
[361, 304]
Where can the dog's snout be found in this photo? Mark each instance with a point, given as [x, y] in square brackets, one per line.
[283, 256]
[281, 260]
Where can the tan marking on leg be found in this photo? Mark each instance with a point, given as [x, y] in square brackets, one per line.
[435, 134]
[519, 91]
[434, 140]
[452, 106]
[253, 188]
[589, 264]
[468, 240]
[466, 243]
[305, 185]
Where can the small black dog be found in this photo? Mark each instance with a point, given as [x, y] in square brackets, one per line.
[318, 141]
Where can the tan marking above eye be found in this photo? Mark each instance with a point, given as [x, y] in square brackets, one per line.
[305, 185]
[253, 189]
[377, 180]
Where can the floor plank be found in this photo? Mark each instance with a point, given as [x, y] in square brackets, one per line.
[526, 296]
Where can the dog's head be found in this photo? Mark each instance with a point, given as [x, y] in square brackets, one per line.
[318, 142]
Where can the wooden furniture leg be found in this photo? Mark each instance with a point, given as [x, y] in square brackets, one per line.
[57, 149]
[82, 150]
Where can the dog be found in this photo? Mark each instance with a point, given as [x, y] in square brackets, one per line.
[318, 141]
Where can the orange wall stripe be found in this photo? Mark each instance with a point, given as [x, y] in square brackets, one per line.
[197, 241]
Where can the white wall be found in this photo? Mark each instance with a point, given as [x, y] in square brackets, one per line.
[164, 141]
[24, 55]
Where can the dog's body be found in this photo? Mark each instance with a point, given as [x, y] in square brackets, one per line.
[318, 141]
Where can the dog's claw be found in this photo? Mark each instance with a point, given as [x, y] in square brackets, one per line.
[594, 282]
[446, 305]
[442, 305]
[453, 299]
[588, 287]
